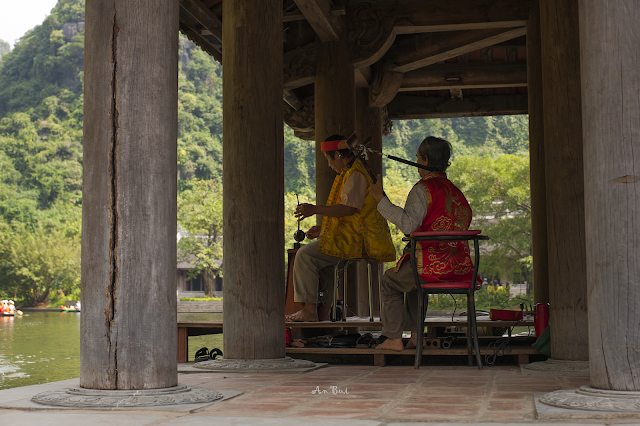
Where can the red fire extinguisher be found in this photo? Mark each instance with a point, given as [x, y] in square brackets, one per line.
[541, 318]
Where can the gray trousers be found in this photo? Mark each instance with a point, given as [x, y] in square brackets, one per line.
[397, 316]
[306, 272]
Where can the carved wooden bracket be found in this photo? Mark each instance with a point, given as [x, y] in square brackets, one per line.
[302, 121]
[387, 124]
[384, 86]
[300, 66]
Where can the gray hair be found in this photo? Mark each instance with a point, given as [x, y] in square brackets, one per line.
[437, 151]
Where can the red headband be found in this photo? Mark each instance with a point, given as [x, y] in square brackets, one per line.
[333, 145]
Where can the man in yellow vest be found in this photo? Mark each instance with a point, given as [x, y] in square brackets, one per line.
[351, 227]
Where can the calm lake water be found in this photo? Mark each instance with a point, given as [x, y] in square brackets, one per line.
[41, 347]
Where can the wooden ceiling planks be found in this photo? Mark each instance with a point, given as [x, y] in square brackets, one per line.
[422, 58]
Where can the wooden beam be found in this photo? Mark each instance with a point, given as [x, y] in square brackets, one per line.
[466, 76]
[200, 13]
[318, 14]
[406, 107]
[421, 50]
[298, 16]
[292, 99]
[202, 42]
[419, 16]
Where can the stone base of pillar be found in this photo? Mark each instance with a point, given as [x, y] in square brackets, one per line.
[587, 398]
[279, 365]
[110, 399]
[557, 366]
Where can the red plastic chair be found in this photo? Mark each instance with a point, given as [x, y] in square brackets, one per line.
[448, 287]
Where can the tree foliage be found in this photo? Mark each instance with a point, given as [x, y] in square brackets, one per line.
[5, 48]
[200, 214]
[35, 264]
[498, 191]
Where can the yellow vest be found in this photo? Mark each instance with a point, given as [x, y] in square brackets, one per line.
[346, 236]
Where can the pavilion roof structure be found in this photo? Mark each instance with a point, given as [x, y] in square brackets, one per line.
[418, 58]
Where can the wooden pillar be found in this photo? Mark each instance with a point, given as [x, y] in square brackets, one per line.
[253, 175]
[537, 159]
[368, 124]
[334, 104]
[611, 120]
[128, 325]
[564, 177]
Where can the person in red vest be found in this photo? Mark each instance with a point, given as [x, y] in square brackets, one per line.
[434, 204]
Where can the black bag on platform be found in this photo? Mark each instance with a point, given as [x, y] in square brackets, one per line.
[343, 341]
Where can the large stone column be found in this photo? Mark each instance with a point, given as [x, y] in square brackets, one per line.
[334, 104]
[537, 159]
[253, 179]
[611, 121]
[564, 178]
[128, 323]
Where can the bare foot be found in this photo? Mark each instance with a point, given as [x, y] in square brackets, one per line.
[392, 344]
[302, 315]
[413, 340]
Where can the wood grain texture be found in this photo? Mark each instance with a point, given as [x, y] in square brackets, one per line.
[253, 177]
[129, 196]
[465, 76]
[407, 107]
[414, 16]
[200, 13]
[611, 118]
[564, 178]
[318, 14]
[334, 105]
[537, 159]
[384, 86]
[420, 50]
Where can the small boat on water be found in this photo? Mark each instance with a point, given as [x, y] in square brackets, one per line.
[8, 309]
[69, 309]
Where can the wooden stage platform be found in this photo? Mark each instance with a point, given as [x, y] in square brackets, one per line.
[522, 352]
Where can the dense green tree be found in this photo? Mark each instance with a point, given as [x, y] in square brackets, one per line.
[498, 191]
[200, 214]
[4, 48]
[36, 264]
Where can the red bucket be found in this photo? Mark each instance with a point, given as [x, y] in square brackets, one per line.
[287, 338]
[541, 318]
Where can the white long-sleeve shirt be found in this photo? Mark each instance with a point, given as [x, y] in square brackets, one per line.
[415, 209]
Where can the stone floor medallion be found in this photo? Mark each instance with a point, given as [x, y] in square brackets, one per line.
[559, 366]
[97, 398]
[588, 398]
[278, 365]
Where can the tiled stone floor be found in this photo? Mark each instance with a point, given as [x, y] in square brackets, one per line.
[368, 396]
[392, 393]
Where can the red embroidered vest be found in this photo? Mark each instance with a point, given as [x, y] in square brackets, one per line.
[448, 210]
